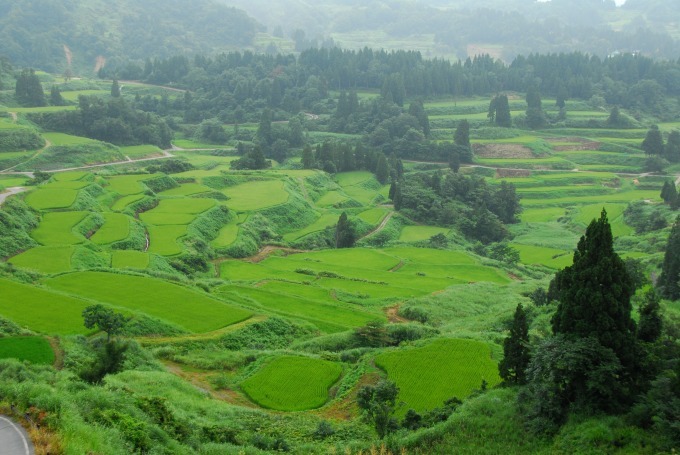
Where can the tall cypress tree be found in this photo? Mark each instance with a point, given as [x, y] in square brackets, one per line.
[516, 355]
[344, 234]
[653, 142]
[594, 295]
[670, 270]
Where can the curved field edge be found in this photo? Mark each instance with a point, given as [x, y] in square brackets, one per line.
[292, 383]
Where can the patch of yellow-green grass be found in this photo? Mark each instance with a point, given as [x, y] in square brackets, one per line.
[126, 185]
[61, 139]
[45, 259]
[227, 235]
[56, 228]
[539, 255]
[72, 95]
[196, 145]
[373, 216]
[164, 240]
[360, 257]
[588, 213]
[116, 227]
[71, 176]
[324, 221]
[542, 215]
[121, 259]
[292, 383]
[55, 198]
[330, 199]
[622, 196]
[420, 233]
[124, 201]
[140, 151]
[165, 219]
[41, 310]
[192, 206]
[186, 189]
[444, 369]
[430, 256]
[246, 271]
[186, 307]
[353, 178]
[256, 195]
[467, 273]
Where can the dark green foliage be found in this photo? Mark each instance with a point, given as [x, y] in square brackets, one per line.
[503, 252]
[516, 353]
[17, 140]
[161, 183]
[134, 431]
[161, 414]
[211, 131]
[378, 403]
[417, 110]
[462, 135]
[344, 232]
[273, 333]
[594, 295]
[28, 89]
[636, 272]
[16, 220]
[670, 270]
[499, 111]
[412, 420]
[644, 218]
[373, 334]
[170, 166]
[207, 226]
[307, 157]
[108, 359]
[55, 97]
[382, 169]
[324, 430]
[253, 159]
[569, 374]
[115, 89]
[669, 193]
[534, 115]
[105, 319]
[653, 142]
[539, 297]
[190, 264]
[651, 321]
[672, 150]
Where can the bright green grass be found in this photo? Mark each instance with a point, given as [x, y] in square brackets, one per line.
[324, 221]
[588, 213]
[189, 144]
[331, 199]
[68, 185]
[41, 310]
[542, 215]
[361, 194]
[11, 181]
[66, 139]
[447, 368]
[56, 228]
[199, 160]
[526, 191]
[550, 257]
[71, 176]
[373, 216]
[164, 219]
[353, 178]
[45, 259]
[121, 259]
[123, 202]
[55, 198]
[292, 383]
[192, 206]
[431, 256]
[126, 185]
[227, 235]
[116, 227]
[256, 195]
[469, 273]
[140, 151]
[361, 257]
[186, 189]
[33, 349]
[190, 309]
[163, 240]
[623, 196]
[326, 316]
[247, 271]
[307, 291]
[360, 290]
[420, 233]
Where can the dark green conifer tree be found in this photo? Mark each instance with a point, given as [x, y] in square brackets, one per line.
[653, 142]
[670, 270]
[382, 171]
[344, 233]
[516, 354]
[651, 322]
[115, 89]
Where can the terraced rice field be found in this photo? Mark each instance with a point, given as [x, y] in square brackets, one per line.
[324, 221]
[186, 189]
[550, 257]
[122, 259]
[116, 227]
[45, 259]
[32, 349]
[420, 233]
[256, 195]
[373, 216]
[126, 185]
[123, 202]
[53, 198]
[292, 383]
[187, 308]
[330, 199]
[164, 240]
[444, 369]
[57, 228]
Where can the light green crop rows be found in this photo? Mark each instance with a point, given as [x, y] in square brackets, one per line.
[187, 308]
[420, 233]
[45, 259]
[53, 198]
[256, 195]
[56, 228]
[121, 259]
[447, 368]
[292, 383]
[115, 228]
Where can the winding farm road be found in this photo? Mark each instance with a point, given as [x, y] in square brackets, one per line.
[380, 227]
[10, 192]
[13, 438]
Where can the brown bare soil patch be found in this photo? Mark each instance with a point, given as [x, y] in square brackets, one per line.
[502, 151]
[392, 314]
[577, 144]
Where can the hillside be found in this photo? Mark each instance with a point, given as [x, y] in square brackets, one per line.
[37, 33]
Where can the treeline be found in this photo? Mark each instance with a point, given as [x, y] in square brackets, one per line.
[478, 210]
[113, 121]
[234, 82]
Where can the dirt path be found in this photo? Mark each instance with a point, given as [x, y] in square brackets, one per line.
[268, 250]
[392, 314]
[58, 353]
[11, 191]
[380, 227]
[202, 336]
[48, 144]
[14, 117]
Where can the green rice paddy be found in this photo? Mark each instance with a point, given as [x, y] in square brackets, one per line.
[256, 195]
[292, 383]
[420, 233]
[116, 227]
[121, 259]
[53, 198]
[45, 259]
[56, 228]
[32, 349]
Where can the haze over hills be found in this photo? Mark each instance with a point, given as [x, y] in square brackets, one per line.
[458, 29]
[38, 32]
